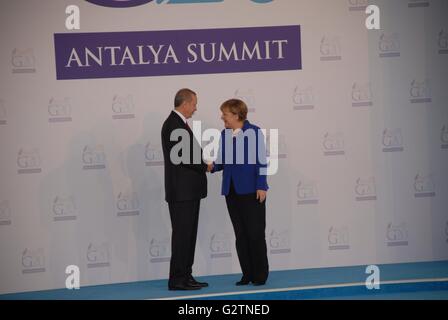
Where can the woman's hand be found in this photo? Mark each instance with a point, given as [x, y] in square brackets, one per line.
[261, 195]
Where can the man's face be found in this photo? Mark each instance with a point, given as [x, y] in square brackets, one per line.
[191, 106]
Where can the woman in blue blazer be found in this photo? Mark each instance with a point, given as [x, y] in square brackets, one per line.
[242, 158]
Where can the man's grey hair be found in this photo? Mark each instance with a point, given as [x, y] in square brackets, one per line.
[183, 95]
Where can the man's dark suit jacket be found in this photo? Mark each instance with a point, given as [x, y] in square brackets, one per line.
[184, 181]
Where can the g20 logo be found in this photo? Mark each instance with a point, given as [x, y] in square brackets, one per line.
[135, 3]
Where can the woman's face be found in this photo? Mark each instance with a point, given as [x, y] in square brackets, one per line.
[230, 119]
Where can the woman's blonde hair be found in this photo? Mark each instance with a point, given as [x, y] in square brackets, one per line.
[235, 106]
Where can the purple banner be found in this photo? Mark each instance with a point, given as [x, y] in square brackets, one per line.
[177, 52]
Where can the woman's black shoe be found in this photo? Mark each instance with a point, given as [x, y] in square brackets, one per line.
[243, 282]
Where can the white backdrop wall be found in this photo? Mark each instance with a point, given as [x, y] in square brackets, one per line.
[363, 130]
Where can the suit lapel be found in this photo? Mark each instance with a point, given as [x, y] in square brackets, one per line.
[178, 119]
[183, 125]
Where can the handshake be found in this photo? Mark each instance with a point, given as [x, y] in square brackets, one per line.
[210, 166]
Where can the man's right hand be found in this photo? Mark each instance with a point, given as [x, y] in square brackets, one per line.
[210, 167]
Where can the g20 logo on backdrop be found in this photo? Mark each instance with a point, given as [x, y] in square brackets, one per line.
[135, 3]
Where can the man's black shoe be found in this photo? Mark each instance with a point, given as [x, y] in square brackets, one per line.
[186, 286]
[192, 281]
[258, 283]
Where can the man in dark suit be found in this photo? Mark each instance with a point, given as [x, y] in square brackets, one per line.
[185, 186]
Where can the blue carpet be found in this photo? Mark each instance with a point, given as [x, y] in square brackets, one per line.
[278, 280]
[407, 291]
